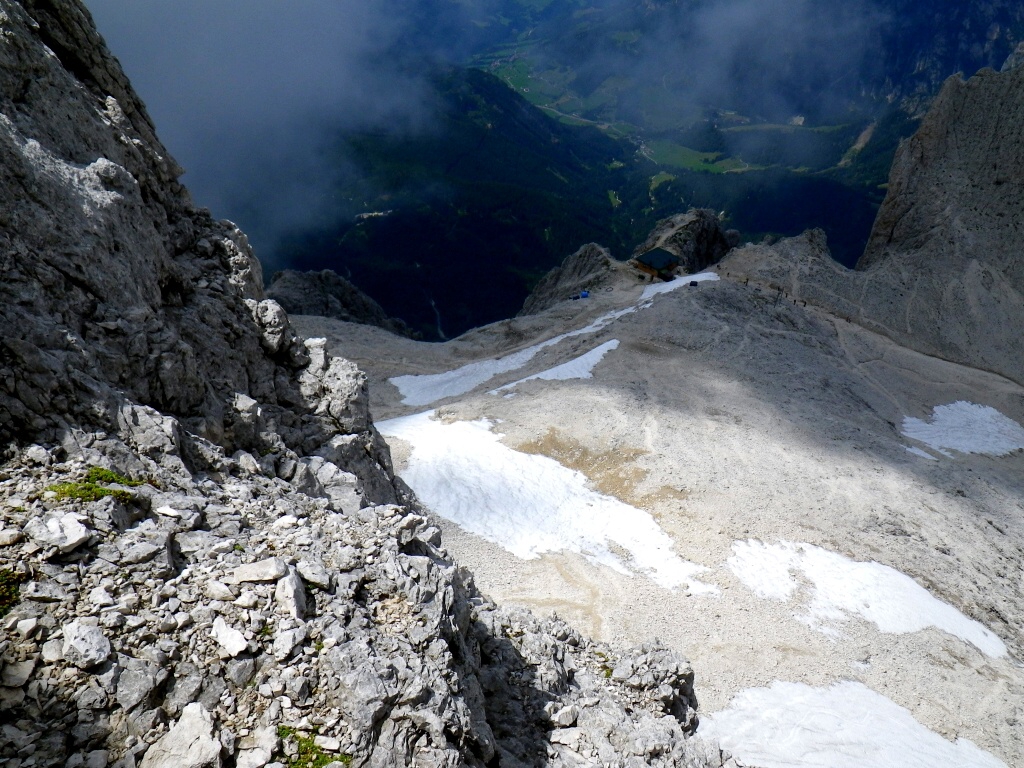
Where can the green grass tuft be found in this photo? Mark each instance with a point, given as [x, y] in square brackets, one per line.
[309, 754]
[10, 583]
[99, 475]
[91, 488]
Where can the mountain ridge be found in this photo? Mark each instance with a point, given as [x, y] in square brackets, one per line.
[207, 543]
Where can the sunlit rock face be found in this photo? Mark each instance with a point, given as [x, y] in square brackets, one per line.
[943, 272]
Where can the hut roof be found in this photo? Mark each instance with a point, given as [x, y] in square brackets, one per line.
[658, 259]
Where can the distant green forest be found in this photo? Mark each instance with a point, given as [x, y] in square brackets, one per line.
[569, 121]
[450, 229]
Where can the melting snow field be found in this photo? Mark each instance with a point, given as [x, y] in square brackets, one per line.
[844, 726]
[654, 289]
[424, 389]
[531, 504]
[968, 428]
[844, 588]
[581, 367]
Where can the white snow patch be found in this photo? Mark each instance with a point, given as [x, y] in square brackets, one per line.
[843, 589]
[918, 452]
[654, 289]
[424, 389]
[844, 726]
[530, 504]
[581, 367]
[968, 428]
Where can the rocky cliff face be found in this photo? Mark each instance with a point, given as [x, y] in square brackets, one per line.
[943, 272]
[585, 270]
[696, 237]
[328, 294]
[202, 561]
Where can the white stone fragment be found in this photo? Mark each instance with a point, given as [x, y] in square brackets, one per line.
[247, 599]
[256, 749]
[315, 574]
[566, 716]
[66, 532]
[287, 641]
[290, 595]
[218, 590]
[26, 627]
[9, 536]
[271, 569]
[328, 743]
[99, 596]
[53, 651]
[229, 638]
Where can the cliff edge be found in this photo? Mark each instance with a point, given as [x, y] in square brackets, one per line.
[205, 557]
[942, 273]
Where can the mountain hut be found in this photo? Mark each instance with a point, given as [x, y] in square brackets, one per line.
[657, 262]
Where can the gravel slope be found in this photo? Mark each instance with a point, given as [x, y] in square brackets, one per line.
[730, 415]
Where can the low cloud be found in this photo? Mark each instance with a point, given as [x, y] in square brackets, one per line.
[250, 96]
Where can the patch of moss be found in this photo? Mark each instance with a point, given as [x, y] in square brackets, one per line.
[87, 492]
[108, 476]
[10, 583]
[90, 489]
[309, 754]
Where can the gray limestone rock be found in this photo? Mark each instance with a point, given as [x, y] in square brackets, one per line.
[314, 573]
[189, 744]
[134, 687]
[271, 569]
[65, 532]
[287, 641]
[585, 270]
[16, 674]
[85, 645]
[256, 749]
[290, 595]
[44, 592]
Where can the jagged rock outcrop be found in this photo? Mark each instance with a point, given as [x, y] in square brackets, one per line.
[328, 294]
[584, 270]
[943, 271]
[696, 237]
[234, 619]
[115, 289]
[203, 561]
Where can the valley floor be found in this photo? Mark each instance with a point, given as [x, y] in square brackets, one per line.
[768, 489]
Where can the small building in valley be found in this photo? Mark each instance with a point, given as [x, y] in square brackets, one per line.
[657, 262]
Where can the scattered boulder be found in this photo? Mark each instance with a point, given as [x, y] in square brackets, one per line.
[230, 639]
[85, 645]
